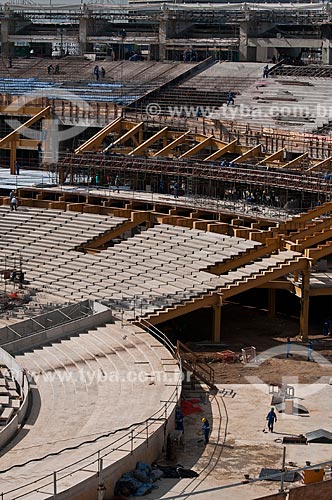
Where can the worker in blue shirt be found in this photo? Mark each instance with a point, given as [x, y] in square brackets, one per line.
[206, 429]
[271, 419]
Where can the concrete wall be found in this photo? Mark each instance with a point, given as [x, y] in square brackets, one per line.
[147, 452]
[33, 339]
[277, 496]
[9, 431]
[315, 491]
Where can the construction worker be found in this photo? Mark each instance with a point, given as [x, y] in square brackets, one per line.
[288, 348]
[271, 419]
[230, 98]
[206, 429]
[13, 203]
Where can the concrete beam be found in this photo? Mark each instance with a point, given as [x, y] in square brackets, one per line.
[320, 164]
[142, 147]
[94, 142]
[229, 148]
[129, 134]
[179, 140]
[201, 145]
[295, 162]
[278, 155]
[249, 154]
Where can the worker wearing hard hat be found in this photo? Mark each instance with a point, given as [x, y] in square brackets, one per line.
[206, 429]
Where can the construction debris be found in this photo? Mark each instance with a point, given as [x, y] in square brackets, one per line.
[275, 475]
[248, 354]
[300, 439]
[227, 356]
[319, 436]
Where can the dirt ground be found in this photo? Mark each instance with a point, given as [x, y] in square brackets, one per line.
[254, 328]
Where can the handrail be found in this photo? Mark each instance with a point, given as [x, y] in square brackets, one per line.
[44, 328]
[195, 363]
[160, 415]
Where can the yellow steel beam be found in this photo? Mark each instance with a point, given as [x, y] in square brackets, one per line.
[310, 229]
[301, 219]
[278, 155]
[219, 144]
[271, 274]
[249, 154]
[24, 144]
[155, 137]
[24, 110]
[172, 144]
[319, 252]
[184, 308]
[320, 164]
[13, 151]
[129, 134]
[197, 147]
[310, 241]
[28, 143]
[229, 148]
[295, 162]
[13, 135]
[95, 141]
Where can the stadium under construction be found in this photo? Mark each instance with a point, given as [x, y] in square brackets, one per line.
[165, 208]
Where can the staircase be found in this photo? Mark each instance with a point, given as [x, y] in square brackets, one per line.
[192, 363]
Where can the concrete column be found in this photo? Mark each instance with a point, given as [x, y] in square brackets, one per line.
[162, 37]
[327, 52]
[7, 27]
[272, 302]
[304, 316]
[216, 326]
[50, 139]
[247, 29]
[13, 145]
[82, 34]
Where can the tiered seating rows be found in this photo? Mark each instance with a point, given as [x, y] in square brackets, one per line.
[79, 380]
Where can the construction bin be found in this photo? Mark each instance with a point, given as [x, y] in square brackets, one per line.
[313, 476]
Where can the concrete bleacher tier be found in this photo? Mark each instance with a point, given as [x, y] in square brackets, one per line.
[160, 268]
[286, 102]
[89, 385]
[10, 398]
[124, 81]
[225, 77]
[209, 89]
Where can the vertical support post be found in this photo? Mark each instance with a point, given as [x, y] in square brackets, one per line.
[101, 488]
[131, 442]
[13, 145]
[147, 434]
[216, 332]
[304, 316]
[163, 22]
[54, 485]
[272, 302]
[83, 32]
[283, 470]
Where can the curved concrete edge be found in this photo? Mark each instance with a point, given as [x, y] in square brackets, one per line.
[148, 452]
[25, 403]
[9, 431]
